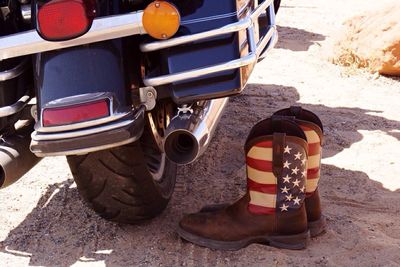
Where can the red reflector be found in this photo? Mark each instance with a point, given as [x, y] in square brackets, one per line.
[64, 19]
[76, 113]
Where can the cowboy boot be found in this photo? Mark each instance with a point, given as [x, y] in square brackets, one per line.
[312, 126]
[313, 129]
[272, 211]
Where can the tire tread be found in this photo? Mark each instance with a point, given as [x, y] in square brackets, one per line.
[125, 192]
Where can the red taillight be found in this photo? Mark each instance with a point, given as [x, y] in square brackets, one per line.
[65, 19]
[76, 113]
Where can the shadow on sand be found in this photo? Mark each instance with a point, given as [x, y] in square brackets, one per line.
[297, 39]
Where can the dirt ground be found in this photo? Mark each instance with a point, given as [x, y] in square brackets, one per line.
[44, 222]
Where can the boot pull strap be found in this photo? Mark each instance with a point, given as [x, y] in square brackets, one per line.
[283, 117]
[277, 150]
[296, 110]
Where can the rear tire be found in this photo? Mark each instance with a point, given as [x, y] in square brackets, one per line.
[127, 184]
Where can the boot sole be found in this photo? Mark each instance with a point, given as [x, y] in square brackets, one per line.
[294, 242]
[316, 228]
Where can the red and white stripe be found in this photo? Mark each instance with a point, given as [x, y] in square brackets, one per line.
[314, 159]
[262, 183]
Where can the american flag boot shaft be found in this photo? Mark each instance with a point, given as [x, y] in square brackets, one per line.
[281, 190]
[313, 129]
[273, 209]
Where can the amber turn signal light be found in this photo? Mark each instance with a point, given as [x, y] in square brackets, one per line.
[161, 20]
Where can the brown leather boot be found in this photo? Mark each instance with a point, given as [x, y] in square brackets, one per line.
[272, 211]
[312, 126]
[313, 129]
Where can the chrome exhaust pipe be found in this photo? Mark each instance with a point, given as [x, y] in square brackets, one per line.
[15, 157]
[190, 132]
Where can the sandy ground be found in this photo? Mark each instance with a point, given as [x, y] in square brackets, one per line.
[44, 222]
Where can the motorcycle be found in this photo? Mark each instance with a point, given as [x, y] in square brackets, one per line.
[125, 89]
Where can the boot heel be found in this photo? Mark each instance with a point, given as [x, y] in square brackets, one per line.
[317, 227]
[298, 241]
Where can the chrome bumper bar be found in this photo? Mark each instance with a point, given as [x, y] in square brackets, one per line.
[118, 118]
[255, 49]
[83, 141]
[106, 28]
[42, 136]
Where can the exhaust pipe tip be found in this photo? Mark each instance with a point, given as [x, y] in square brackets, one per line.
[181, 147]
[15, 157]
[189, 134]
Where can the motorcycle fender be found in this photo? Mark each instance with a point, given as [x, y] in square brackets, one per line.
[81, 71]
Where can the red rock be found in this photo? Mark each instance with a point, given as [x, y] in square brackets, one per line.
[372, 41]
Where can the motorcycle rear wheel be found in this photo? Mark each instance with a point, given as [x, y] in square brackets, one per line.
[127, 184]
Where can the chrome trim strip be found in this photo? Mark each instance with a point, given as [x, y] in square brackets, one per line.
[181, 76]
[273, 39]
[85, 124]
[255, 49]
[251, 39]
[221, 16]
[16, 107]
[115, 114]
[26, 13]
[260, 9]
[244, 8]
[66, 135]
[158, 45]
[14, 72]
[133, 127]
[85, 150]
[264, 41]
[105, 28]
